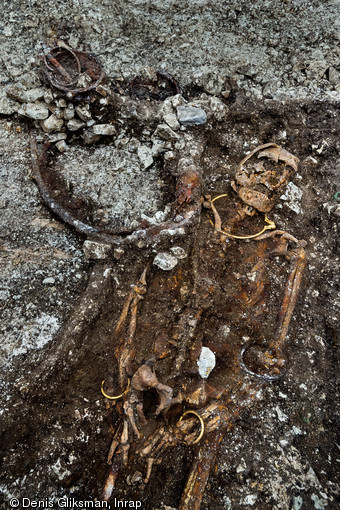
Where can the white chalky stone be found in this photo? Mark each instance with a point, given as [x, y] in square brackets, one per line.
[178, 252]
[165, 261]
[206, 362]
[292, 196]
[52, 124]
[36, 111]
[104, 129]
[75, 124]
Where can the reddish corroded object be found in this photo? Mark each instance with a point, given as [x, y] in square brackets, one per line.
[72, 71]
[54, 192]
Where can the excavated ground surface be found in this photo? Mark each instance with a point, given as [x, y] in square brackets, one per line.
[55, 432]
[57, 443]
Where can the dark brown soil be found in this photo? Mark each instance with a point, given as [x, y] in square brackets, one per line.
[57, 415]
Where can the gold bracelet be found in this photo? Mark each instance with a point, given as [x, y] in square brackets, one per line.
[201, 423]
[118, 396]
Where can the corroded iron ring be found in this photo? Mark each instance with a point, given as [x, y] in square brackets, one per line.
[185, 208]
[265, 377]
[63, 67]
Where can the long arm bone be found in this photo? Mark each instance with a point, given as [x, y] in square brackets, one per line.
[298, 260]
[125, 352]
[290, 298]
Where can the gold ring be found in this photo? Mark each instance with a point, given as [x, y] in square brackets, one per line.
[201, 423]
[270, 225]
[118, 396]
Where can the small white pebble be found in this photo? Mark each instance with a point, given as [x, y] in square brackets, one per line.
[178, 252]
[281, 416]
[206, 362]
[62, 146]
[165, 261]
[49, 281]
[250, 499]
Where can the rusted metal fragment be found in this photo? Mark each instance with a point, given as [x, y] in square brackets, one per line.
[158, 87]
[187, 190]
[70, 70]
[77, 214]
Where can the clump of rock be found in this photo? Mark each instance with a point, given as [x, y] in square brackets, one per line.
[165, 261]
[191, 115]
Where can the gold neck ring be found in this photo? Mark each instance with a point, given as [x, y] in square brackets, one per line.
[270, 225]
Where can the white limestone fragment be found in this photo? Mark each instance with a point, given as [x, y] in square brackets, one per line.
[165, 132]
[62, 146]
[69, 113]
[95, 250]
[84, 113]
[206, 362]
[49, 281]
[52, 124]
[35, 111]
[165, 261]
[171, 120]
[7, 106]
[281, 415]
[104, 129]
[250, 499]
[75, 124]
[144, 154]
[35, 94]
[178, 252]
[292, 197]
[37, 334]
[90, 137]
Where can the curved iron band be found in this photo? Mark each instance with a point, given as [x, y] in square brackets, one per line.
[69, 87]
[264, 377]
[171, 79]
[188, 209]
[52, 65]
